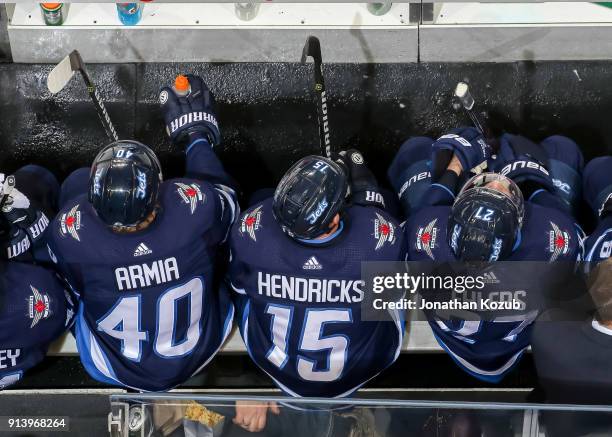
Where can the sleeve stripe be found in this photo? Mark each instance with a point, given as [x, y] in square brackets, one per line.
[445, 188]
[238, 290]
[229, 195]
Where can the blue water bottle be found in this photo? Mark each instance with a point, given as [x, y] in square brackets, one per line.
[129, 13]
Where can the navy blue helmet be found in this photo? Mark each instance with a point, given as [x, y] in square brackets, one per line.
[486, 218]
[124, 183]
[309, 196]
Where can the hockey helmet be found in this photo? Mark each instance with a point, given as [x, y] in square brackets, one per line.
[309, 196]
[486, 218]
[124, 183]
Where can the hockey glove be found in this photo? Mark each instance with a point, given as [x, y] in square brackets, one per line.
[192, 114]
[364, 187]
[466, 143]
[525, 162]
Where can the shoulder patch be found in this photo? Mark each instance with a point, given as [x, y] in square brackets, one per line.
[426, 238]
[558, 242]
[384, 232]
[70, 223]
[250, 223]
[39, 306]
[191, 194]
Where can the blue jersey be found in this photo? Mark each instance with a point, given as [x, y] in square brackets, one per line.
[300, 311]
[150, 313]
[489, 349]
[35, 310]
[599, 244]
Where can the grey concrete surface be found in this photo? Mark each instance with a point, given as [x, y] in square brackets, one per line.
[5, 47]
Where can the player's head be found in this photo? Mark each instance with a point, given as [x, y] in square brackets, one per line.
[124, 183]
[486, 218]
[309, 197]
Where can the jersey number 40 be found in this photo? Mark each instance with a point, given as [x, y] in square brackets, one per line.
[123, 322]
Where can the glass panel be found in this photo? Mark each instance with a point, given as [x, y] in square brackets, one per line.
[193, 415]
[521, 13]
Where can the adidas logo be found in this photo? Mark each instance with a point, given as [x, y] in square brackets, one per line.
[490, 278]
[142, 249]
[312, 264]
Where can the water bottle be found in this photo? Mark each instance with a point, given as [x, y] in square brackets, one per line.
[246, 11]
[380, 8]
[181, 86]
[53, 13]
[129, 13]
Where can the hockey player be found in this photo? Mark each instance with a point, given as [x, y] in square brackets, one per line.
[487, 221]
[296, 268]
[587, 338]
[141, 253]
[558, 176]
[598, 194]
[35, 309]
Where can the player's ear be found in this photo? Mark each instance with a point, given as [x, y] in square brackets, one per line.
[335, 222]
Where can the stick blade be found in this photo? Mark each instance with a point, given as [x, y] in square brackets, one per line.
[312, 48]
[61, 74]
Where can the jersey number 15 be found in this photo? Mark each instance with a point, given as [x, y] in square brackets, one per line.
[311, 340]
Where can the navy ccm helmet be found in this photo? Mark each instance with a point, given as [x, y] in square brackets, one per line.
[486, 218]
[309, 196]
[124, 183]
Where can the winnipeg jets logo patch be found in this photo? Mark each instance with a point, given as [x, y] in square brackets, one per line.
[558, 242]
[38, 306]
[426, 238]
[191, 194]
[383, 232]
[250, 223]
[312, 264]
[70, 223]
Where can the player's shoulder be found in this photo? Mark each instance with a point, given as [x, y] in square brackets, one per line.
[425, 230]
[374, 229]
[37, 298]
[256, 225]
[75, 223]
[599, 243]
[189, 196]
[549, 234]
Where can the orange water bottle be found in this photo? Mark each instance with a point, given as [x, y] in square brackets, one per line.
[181, 86]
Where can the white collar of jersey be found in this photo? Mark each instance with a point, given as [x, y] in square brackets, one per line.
[326, 239]
[601, 328]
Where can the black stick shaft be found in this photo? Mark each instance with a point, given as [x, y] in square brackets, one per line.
[313, 48]
[77, 64]
[467, 101]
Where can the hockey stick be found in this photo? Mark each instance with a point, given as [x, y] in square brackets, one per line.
[64, 71]
[312, 48]
[462, 92]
